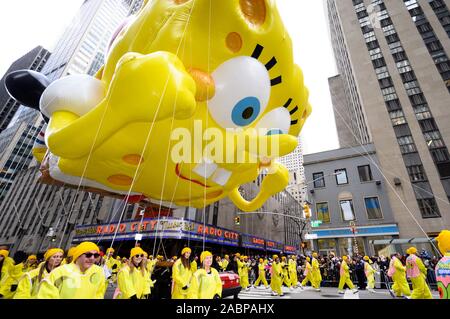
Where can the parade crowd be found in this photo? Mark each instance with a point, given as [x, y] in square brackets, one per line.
[85, 272]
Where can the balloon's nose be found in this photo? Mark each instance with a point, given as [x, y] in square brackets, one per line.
[205, 85]
[267, 147]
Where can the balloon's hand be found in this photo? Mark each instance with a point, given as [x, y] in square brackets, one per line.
[152, 87]
[274, 182]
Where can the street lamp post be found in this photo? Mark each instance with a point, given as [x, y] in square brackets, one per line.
[355, 242]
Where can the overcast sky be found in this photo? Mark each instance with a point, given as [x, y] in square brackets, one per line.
[25, 24]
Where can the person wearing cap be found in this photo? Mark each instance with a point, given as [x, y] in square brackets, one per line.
[224, 263]
[28, 286]
[243, 272]
[276, 277]
[182, 275]
[345, 277]
[4, 270]
[133, 280]
[307, 273]
[285, 266]
[194, 265]
[369, 272]
[417, 272]
[69, 256]
[292, 268]
[206, 282]
[15, 272]
[316, 275]
[30, 264]
[81, 279]
[398, 274]
[443, 265]
[112, 264]
[261, 274]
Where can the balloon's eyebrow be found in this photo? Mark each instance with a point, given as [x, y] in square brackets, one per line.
[269, 65]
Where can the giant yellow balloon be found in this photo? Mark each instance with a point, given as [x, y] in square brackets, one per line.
[178, 77]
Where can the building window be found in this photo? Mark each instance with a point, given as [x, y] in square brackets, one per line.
[347, 212]
[373, 208]
[365, 174]
[406, 144]
[428, 208]
[341, 176]
[416, 173]
[318, 179]
[323, 212]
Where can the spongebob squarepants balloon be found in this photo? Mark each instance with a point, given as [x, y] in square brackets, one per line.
[178, 76]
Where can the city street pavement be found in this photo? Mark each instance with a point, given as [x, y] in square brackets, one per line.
[325, 293]
[306, 293]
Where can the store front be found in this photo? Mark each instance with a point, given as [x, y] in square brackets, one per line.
[342, 241]
[167, 236]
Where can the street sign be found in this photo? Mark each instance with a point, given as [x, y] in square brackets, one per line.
[311, 236]
[138, 237]
[316, 223]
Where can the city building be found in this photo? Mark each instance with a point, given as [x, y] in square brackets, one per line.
[346, 190]
[294, 163]
[78, 51]
[393, 60]
[33, 60]
[15, 151]
[134, 5]
[341, 110]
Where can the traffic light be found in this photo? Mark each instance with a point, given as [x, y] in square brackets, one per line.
[237, 220]
[307, 211]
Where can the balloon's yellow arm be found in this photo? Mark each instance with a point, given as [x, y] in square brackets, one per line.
[274, 182]
[145, 88]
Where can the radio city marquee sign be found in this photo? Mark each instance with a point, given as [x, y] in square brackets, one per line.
[274, 246]
[151, 228]
[249, 241]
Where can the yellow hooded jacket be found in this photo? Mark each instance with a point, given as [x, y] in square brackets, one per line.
[133, 282]
[181, 277]
[194, 266]
[68, 282]
[9, 283]
[224, 264]
[317, 277]
[28, 285]
[205, 286]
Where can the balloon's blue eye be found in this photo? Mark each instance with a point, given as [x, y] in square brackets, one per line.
[275, 132]
[246, 111]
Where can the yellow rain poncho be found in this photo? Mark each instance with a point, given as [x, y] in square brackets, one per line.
[68, 282]
[224, 264]
[345, 276]
[307, 273]
[28, 285]
[243, 273]
[398, 273]
[276, 279]
[194, 266]
[284, 267]
[315, 275]
[369, 271]
[205, 285]
[261, 274]
[9, 283]
[133, 283]
[293, 272]
[182, 277]
[417, 273]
